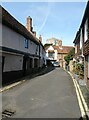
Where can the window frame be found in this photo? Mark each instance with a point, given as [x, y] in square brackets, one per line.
[86, 30]
[26, 43]
[81, 39]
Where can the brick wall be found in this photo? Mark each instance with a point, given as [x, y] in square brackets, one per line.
[86, 53]
[29, 24]
[86, 58]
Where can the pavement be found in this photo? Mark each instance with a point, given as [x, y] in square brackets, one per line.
[82, 94]
[50, 95]
[83, 87]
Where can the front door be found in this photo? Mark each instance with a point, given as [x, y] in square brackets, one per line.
[24, 65]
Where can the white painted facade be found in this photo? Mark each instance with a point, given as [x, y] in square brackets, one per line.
[14, 40]
[21, 52]
[54, 56]
[42, 56]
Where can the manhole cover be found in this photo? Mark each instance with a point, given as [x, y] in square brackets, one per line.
[7, 113]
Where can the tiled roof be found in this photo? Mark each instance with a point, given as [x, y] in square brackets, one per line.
[11, 22]
[66, 49]
[62, 50]
[51, 51]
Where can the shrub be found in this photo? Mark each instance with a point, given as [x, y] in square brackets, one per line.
[78, 69]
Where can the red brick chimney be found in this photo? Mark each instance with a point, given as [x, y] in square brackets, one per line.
[40, 38]
[29, 23]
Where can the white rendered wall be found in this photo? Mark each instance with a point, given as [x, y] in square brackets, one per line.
[14, 40]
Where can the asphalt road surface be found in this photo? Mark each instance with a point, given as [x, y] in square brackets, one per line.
[51, 95]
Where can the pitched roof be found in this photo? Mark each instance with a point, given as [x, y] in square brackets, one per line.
[51, 51]
[85, 16]
[63, 50]
[12, 23]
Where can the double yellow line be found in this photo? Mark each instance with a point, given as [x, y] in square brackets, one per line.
[82, 104]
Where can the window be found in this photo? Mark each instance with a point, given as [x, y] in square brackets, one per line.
[51, 54]
[36, 49]
[81, 42]
[86, 30]
[26, 43]
[81, 39]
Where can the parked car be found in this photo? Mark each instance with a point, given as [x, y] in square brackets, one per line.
[56, 64]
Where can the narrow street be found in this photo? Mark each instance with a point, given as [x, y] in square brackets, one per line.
[51, 95]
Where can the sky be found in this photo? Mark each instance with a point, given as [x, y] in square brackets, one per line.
[50, 19]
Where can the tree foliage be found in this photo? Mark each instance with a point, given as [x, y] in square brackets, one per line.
[70, 55]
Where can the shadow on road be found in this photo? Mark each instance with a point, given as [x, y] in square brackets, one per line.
[40, 72]
[47, 70]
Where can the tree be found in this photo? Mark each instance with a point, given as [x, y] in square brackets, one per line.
[70, 56]
[67, 59]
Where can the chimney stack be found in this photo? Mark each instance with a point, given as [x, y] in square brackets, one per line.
[40, 38]
[29, 23]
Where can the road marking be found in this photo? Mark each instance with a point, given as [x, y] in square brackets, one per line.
[82, 104]
[79, 100]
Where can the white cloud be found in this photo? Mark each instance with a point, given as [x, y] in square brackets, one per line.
[39, 14]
